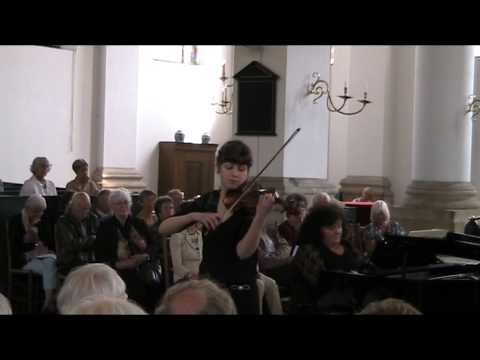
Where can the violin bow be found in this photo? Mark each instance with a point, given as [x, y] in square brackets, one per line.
[247, 189]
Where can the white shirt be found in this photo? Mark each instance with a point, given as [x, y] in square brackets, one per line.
[33, 186]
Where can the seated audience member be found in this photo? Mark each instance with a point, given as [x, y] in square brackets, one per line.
[102, 206]
[295, 208]
[323, 247]
[124, 243]
[75, 233]
[147, 214]
[38, 184]
[32, 244]
[2, 189]
[380, 225]
[164, 208]
[186, 252]
[5, 307]
[268, 289]
[102, 305]
[390, 306]
[196, 297]
[87, 281]
[367, 195]
[274, 255]
[82, 182]
[471, 227]
[177, 196]
[321, 199]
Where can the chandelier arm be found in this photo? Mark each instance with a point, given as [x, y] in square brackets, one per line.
[331, 105]
[355, 112]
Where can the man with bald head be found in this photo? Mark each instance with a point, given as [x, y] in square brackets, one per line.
[75, 234]
[196, 297]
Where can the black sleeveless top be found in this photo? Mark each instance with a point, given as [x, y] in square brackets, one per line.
[220, 260]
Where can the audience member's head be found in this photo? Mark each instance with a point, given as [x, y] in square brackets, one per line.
[120, 202]
[164, 207]
[379, 213]
[196, 297]
[177, 196]
[40, 167]
[295, 207]
[5, 307]
[34, 207]
[90, 280]
[80, 167]
[323, 226]
[103, 201]
[367, 194]
[390, 306]
[147, 200]
[103, 305]
[321, 199]
[79, 206]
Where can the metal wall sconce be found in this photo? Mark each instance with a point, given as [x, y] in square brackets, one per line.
[473, 106]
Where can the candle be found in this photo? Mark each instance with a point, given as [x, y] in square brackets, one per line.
[345, 88]
[223, 71]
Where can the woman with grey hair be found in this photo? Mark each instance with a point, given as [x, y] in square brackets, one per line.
[124, 242]
[32, 244]
[380, 225]
[38, 184]
[82, 182]
[103, 305]
[87, 281]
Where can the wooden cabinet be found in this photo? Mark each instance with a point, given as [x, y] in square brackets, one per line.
[188, 167]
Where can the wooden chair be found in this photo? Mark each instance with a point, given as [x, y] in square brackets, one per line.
[24, 286]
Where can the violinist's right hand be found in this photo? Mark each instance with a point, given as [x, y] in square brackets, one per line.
[209, 220]
[265, 205]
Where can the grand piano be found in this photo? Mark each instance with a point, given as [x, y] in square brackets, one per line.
[436, 275]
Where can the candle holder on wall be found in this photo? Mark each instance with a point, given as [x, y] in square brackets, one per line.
[224, 106]
[473, 106]
[319, 87]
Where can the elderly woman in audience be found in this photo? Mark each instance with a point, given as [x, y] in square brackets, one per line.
[125, 243]
[32, 244]
[102, 206]
[196, 297]
[323, 247]
[87, 281]
[380, 225]
[75, 233]
[147, 213]
[164, 208]
[82, 182]
[5, 307]
[102, 305]
[390, 306]
[38, 184]
[186, 252]
[295, 208]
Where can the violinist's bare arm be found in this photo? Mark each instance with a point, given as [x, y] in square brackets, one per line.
[176, 224]
[250, 242]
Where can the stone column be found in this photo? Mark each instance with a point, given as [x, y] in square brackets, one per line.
[117, 118]
[441, 194]
[442, 132]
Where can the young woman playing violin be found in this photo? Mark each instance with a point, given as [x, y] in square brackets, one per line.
[233, 233]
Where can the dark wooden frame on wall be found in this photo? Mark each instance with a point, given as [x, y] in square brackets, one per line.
[257, 92]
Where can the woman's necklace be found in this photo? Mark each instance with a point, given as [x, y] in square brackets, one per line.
[192, 240]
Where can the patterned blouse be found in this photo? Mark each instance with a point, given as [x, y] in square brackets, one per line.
[373, 232]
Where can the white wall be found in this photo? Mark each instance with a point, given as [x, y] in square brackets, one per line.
[311, 143]
[338, 134]
[173, 97]
[36, 92]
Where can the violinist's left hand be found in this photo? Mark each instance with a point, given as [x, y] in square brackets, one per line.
[265, 205]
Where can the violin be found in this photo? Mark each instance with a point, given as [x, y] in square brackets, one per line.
[246, 201]
[251, 193]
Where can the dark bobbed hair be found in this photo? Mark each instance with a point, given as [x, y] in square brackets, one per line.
[160, 201]
[293, 202]
[79, 164]
[236, 152]
[318, 218]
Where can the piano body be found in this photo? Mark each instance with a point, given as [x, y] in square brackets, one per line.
[435, 275]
